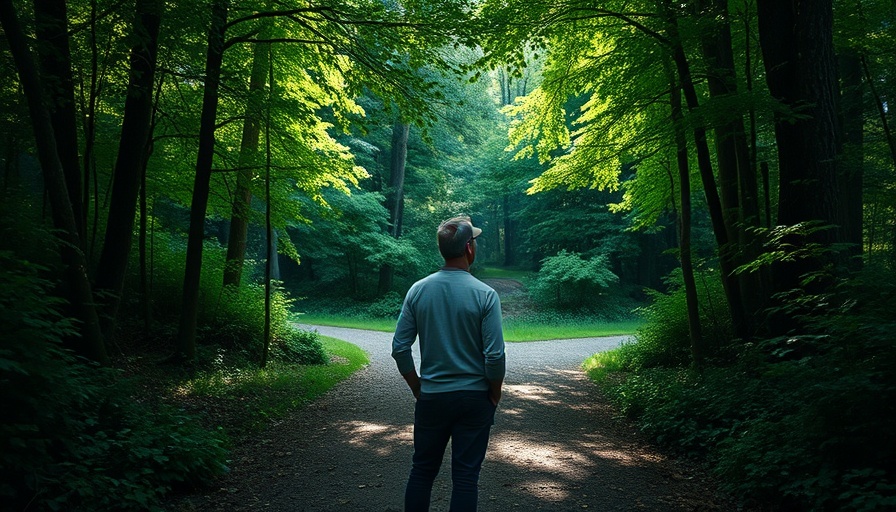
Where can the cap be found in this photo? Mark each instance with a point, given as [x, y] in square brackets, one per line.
[454, 234]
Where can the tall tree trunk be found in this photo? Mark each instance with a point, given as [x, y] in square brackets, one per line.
[239, 218]
[881, 110]
[737, 176]
[91, 343]
[395, 194]
[55, 56]
[135, 133]
[186, 335]
[509, 233]
[726, 260]
[269, 231]
[90, 122]
[797, 46]
[852, 174]
[684, 227]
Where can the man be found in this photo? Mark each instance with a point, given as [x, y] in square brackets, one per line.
[458, 320]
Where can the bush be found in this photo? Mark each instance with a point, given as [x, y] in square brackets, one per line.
[801, 422]
[73, 438]
[300, 347]
[663, 340]
[387, 306]
[566, 280]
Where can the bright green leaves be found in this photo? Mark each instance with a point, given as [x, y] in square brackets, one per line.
[538, 125]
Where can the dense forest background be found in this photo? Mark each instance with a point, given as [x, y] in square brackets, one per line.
[181, 178]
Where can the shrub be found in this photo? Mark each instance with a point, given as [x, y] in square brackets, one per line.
[801, 422]
[663, 339]
[566, 280]
[73, 438]
[387, 306]
[300, 347]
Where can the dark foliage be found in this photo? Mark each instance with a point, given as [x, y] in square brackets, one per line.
[73, 436]
[801, 422]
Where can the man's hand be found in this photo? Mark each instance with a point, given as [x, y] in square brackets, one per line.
[413, 381]
[494, 392]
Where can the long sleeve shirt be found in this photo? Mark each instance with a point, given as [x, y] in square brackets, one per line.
[458, 320]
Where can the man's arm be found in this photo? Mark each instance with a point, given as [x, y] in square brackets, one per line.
[493, 348]
[405, 335]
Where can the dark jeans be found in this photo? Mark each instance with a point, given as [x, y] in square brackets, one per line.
[466, 418]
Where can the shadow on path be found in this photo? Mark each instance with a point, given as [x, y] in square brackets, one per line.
[556, 446]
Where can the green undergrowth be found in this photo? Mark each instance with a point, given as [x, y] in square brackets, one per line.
[802, 422]
[515, 329]
[244, 400]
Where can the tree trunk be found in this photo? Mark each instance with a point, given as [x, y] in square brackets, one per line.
[797, 47]
[684, 228]
[737, 177]
[55, 57]
[268, 228]
[704, 161]
[239, 218]
[91, 343]
[395, 195]
[186, 335]
[509, 234]
[852, 171]
[135, 133]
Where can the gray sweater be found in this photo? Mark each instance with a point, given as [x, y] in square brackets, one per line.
[458, 319]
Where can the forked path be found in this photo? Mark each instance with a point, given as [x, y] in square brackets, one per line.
[556, 446]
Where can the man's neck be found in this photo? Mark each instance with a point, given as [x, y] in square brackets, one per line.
[457, 264]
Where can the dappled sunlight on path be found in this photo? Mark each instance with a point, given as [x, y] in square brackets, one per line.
[555, 446]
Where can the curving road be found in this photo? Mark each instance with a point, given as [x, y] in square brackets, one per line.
[556, 445]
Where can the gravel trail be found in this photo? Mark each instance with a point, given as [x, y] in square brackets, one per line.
[555, 446]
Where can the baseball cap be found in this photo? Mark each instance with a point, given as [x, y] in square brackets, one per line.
[454, 234]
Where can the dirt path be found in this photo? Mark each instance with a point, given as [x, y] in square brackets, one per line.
[556, 446]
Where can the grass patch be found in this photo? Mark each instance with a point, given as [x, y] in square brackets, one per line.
[502, 273]
[245, 400]
[368, 323]
[528, 330]
[601, 366]
[515, 329]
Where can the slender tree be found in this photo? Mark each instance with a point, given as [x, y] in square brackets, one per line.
[395, 194]
[186, 335]
[684, 223]
[53, 47]
[71, 247]
[135, 135]
[242, 197]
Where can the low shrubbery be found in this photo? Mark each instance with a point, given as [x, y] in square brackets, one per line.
[73, 437]
[799, 423]
[567, 281]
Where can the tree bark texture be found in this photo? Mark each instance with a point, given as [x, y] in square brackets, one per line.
[186, 335]
[55, 57]
[91, 343]
[852, 173]
[684, 229]
[704, 161]
[135, 133]
[509, 232]
[797, 46]
[737, 177]
[239, 217]
[395, 194]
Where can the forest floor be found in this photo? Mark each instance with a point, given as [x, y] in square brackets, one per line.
[557, 445]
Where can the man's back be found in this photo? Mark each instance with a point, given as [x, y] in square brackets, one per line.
[458, 319]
